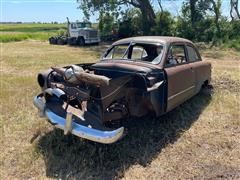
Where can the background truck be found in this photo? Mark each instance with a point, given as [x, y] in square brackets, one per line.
[78, 33]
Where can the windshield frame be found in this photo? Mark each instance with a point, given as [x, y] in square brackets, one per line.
[129, 45]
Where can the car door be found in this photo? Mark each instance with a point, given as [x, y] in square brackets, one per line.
[73, 30]
[202, 69]
[180, 76]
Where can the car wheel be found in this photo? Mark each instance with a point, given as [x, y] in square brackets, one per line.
[207, 88]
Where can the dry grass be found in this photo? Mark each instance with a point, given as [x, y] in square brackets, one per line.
[199, 139]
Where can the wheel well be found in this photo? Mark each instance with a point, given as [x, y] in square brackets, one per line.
[81, 37]
[205, 83]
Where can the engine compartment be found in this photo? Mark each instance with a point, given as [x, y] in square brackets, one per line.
[108, 94]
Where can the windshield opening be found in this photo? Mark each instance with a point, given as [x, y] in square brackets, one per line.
[83, 25]
[151, 53]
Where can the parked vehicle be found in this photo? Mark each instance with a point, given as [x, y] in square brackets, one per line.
[78, 33]
[135, 77]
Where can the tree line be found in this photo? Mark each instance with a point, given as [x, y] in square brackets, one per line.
[199, 20]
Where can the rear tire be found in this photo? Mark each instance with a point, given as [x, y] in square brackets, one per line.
[60, 41]
[52, 40]
[207, 88]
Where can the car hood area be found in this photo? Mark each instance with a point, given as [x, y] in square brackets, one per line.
[126, 66]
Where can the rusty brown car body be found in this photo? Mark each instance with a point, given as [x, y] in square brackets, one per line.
[135, 76]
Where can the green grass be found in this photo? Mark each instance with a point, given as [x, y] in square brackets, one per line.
[19, 32]
[233, 44]
[9, 37]
[31, 27]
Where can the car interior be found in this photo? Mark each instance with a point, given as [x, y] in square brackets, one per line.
[176, 55]
[136, 52]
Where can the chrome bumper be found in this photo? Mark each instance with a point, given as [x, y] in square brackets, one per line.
[105, 137]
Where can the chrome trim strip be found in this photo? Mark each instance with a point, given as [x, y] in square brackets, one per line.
[155, 86]
[181, 92]
[56, 91]
[105, 137]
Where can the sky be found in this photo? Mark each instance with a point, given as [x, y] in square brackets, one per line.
[58, 10]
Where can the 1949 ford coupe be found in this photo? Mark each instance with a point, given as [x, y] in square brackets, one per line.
[135, 77]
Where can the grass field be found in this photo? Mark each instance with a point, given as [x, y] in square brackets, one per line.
[19, 32]
[199, 139]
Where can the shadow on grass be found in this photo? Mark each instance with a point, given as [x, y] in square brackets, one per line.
[72, 157]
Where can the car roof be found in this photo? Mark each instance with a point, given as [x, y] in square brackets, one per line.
[152, 39]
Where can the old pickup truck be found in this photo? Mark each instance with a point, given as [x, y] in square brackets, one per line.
[135, 77]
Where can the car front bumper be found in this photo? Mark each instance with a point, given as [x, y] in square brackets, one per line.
[69, 126]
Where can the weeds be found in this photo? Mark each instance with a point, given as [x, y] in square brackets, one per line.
[234, 44]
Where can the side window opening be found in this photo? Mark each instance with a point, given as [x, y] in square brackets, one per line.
[192, 54]
[176, 55]
[73, 26]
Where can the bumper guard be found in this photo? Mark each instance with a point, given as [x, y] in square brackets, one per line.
[100, 136]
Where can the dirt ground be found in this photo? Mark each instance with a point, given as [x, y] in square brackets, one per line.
[200, 139]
